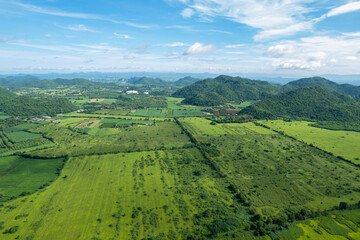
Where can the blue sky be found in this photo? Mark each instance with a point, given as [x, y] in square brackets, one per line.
[219, 36]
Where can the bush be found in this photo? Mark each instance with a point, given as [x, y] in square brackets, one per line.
[12, 230]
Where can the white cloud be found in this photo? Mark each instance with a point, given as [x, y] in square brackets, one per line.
[174, 44]
[281, 32]
[347, 8]
[352, 58]
[187, 13]
[197, 48]
[80, 28]
[235, 46]
[124, 36]
[280, 50]
[352, 34]
[60, 13]
[315, 53]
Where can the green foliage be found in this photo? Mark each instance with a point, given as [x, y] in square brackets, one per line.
[313, 103]
[224, 89]
[12, 230]
[140, 101]
[348, 89]
[14, 105]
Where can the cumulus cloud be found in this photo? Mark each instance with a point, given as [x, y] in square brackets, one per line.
[279, 50]
[198, 48]
[187, 13]
[313, 52]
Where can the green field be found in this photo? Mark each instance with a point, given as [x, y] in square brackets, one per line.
[164, 135]
[340, 143]
[25, 175]
[128, 196]
[2, 117]
[274, 173]
[21, 136]
[151, 112]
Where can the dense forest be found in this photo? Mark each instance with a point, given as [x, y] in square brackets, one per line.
[225, 89]
[14, 105]
[313, 103]
[348, 89]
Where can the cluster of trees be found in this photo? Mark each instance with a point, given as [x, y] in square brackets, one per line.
[23, 106]
[223, 89]
[313, 103]
[140, 101]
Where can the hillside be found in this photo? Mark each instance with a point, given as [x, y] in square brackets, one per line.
[313, 103]
[224, 89]
[14, 105]
[186, 81]
[348, 89]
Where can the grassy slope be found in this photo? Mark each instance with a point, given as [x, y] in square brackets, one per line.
[18, 174]
[340, 143]
[125, 196]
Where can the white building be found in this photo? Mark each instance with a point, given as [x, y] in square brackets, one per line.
[132, 92]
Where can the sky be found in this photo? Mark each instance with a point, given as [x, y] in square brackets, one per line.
[308, 37]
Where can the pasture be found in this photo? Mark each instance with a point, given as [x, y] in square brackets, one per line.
[144, 195]
[21, 136]
[25, 175]
[150, 112]
[340, 143]
[273, 172]
[163, 135]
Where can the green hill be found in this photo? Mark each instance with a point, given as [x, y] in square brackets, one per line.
[186, 81]
[349, 89]
[14, 105]
[224, 89]
[313, 103]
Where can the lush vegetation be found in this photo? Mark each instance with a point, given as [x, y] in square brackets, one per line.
[14, 105]
[150, 166]
[348, 89]
[313, 103]
[224, 89]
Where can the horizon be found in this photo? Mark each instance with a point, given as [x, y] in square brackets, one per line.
[302, 38]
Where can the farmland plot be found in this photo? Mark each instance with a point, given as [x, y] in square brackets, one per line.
[164, 194]
[275, 173]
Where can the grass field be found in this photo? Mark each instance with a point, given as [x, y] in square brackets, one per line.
[2, 117]
[85, 115]
[163, 135]
[19, 174]
[274, 172]
[187, 113]
[340, 143]
[151, 112]
[128, 196]
[21, 136]
[25, 126]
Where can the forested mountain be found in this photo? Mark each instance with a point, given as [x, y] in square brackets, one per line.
[224, 89]
[349, 89]
[14, 105]
[186, 81]
[315, 103]
[33, 82]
